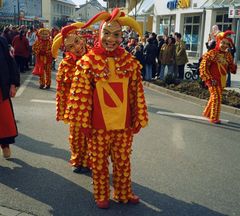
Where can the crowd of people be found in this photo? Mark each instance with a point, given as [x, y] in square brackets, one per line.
[158, 53]
[99, 88]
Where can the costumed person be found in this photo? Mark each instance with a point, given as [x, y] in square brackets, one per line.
[42, 50]
[75, 45]
[9, 80]
[213, 70]
[107, 100]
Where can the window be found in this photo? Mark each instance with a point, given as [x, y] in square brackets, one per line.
[223, 21]
[167, 25]
[191, 32]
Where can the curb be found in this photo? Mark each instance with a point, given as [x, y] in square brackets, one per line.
[202, 102]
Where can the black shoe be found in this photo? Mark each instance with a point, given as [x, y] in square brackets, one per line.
[47, 87]
[41, 86]
[81, 169]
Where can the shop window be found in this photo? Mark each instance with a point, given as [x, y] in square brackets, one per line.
[196, 19]
[191, 32]
[219, 18]
[223, 21]
[167, 26]
[188, 20]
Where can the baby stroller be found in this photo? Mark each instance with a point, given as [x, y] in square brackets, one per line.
[192, 71]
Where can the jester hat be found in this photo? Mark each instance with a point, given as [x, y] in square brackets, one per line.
[224, 35]
[116, 15]
[59, 38]
[41, 30]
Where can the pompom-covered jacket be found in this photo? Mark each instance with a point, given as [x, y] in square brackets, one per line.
[66, 70]
[215, 65]
[107, 93]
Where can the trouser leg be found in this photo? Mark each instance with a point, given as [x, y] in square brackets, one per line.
[214, 104]
[120, 151]
[48, 74]
[99, 153]
[78, 147]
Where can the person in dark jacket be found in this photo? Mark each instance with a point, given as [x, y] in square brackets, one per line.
[9, 80]
[150, 52]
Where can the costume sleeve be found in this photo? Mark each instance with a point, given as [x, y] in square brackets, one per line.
[231, 66]
[36, 47]
[137, 100]
[63, 80]
[205, 64]
[79, 107]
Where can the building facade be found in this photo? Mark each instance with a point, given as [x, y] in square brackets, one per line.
[88, 10]
[33, 12]
[192, 18]
[19, 12]
[55, 10]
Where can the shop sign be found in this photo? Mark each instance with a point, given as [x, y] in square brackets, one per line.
[233, 12]
[174, 4]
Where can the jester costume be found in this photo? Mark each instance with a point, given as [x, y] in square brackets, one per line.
[75, 46]
[42, 50]
[107, 101]
[213, 70]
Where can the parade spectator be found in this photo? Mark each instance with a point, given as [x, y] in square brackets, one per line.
[167, 57]
[6, 34]
[31, 36]
[107, 100]
[211, 43]
[150, 55]
[131, 45]
[153, 37]
[9, 80]
[21, 50]
[161, 41]
[138, 53]
[181, 55]
[213, 70]
[75, 45]
[232, 50]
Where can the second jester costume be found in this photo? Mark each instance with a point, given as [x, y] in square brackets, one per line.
[75, 46]
[214, 67]
[42, 49]
[107, 100]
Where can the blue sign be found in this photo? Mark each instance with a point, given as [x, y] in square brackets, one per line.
[172, 4]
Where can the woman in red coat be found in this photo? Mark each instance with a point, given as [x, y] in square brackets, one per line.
[9, 79]
[21, 50]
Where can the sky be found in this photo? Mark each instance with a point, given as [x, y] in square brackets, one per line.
[78, 2]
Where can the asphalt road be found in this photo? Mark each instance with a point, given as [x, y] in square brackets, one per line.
[181, 164]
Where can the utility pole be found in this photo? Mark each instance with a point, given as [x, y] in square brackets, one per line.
[18, 12]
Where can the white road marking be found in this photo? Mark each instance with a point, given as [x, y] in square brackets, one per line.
[188, 116]
[43, 101]
[151, 206]
[23, 86]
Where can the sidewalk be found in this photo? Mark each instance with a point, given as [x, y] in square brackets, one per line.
[235, 78]
[4, 211]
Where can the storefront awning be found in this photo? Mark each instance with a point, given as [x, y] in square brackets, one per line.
[142, 8]
[211, 4]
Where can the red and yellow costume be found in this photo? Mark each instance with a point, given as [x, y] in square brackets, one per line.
[75, 46]
[107, 101]
[42, 49]
[213, 70]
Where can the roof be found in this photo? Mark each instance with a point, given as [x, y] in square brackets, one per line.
[67, 2]
[143, 7]
[210, 4]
